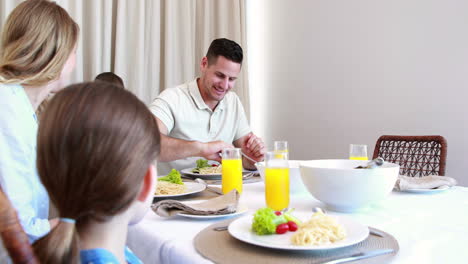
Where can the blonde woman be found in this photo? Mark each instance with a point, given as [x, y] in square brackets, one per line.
[37, 53]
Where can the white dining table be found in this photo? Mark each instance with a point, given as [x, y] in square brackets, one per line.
[430, 228]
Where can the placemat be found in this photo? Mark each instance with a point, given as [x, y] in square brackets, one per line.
[221, 247]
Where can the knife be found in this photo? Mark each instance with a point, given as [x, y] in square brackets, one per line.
[362, 255]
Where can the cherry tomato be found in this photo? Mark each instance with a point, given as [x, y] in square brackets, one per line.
[214, 165]
[282, 228]
[292, 226]
[277, 213]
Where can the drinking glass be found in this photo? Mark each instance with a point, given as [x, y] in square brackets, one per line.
[281, 148]
[231, 170]
[276, 181]
[358, 152]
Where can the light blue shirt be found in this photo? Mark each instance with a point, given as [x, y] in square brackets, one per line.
[18, 174]
[103, 256]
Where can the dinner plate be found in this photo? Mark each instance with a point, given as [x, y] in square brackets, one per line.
[441, 189]
[242, 229]
[211, 176]
[191, 188]
[241, 209]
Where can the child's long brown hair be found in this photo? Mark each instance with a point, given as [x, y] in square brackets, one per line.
[94, 149]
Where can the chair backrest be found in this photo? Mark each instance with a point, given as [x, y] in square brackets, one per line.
[416, 155]
[14, 238]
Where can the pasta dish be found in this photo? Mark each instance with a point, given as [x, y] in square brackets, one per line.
[210, 170]
[168, 188]
[321, 229]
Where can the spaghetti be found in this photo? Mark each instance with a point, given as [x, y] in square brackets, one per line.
[210, 170]
[321, 229]
[168, 188]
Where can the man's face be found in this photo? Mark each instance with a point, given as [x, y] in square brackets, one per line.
[218, 78]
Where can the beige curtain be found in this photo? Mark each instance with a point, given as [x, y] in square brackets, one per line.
[151, 44]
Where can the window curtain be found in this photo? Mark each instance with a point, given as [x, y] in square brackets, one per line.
[151, 44]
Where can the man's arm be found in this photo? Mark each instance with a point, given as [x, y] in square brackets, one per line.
[253, 147]
[174, 148]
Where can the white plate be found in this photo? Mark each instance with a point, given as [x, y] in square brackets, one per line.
[191, 188]
[211, 176]
[443, 188]
[240, 210]
[242, 229]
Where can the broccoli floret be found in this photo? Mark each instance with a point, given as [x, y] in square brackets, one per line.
[173, 176]
[265, 221]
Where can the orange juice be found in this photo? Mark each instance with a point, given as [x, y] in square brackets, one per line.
[358, 158]
[281, 154]
[277, 188]
[232, 175]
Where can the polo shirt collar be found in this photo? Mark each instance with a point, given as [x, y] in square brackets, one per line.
[198, 99]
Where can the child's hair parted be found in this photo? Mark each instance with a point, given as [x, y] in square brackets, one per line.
[94, 150]
[37, 39]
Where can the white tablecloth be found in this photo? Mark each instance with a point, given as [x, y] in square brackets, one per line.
[430, 228]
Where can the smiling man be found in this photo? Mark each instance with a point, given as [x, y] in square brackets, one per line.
[200, 118]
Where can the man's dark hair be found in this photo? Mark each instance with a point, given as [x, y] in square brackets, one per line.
[226, 48]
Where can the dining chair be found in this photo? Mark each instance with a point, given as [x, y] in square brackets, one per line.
[417, 155]
[15, 240]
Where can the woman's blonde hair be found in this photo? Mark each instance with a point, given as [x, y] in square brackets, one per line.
[37, 39]
[93, 151]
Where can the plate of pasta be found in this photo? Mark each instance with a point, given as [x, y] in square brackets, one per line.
[213, 173]
[170, 190]
[343, 231]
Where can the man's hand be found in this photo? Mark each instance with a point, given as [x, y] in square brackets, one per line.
[253, 147]
[211, 150]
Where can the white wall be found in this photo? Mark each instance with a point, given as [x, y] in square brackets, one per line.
[327, 73]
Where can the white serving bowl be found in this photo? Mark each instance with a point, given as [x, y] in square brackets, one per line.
[345, 189]
[295, 180]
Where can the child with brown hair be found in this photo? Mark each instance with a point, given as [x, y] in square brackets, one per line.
[95, 158]
[110, 77]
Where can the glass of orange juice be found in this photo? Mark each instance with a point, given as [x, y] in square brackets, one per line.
[231, 170]
[358, 152]
[281, 148]
[276, 181]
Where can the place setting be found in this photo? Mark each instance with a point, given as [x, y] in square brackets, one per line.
[430, 184]
[278, 234]
[217, 202]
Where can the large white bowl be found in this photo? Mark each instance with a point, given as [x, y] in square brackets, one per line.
[343, 188]
[295, 180]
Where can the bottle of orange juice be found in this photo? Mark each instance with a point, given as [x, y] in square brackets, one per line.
[276, 181]
[231, 170]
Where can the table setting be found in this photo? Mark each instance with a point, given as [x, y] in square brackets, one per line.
[384, 222]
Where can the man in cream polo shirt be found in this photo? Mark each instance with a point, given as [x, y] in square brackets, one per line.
[200, 118]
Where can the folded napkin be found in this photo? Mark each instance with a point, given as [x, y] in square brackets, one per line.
[426, 182]
[224, 204]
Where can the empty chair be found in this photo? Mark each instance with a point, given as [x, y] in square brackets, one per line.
[417, 155]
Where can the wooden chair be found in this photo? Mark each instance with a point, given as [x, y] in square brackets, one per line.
[416, 155]
[14, 238]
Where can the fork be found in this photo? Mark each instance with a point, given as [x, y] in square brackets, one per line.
[209, 188]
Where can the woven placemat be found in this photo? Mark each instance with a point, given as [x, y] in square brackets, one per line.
[221, 247]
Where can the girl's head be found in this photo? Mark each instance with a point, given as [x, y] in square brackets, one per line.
[95, 154]
[37, 44]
